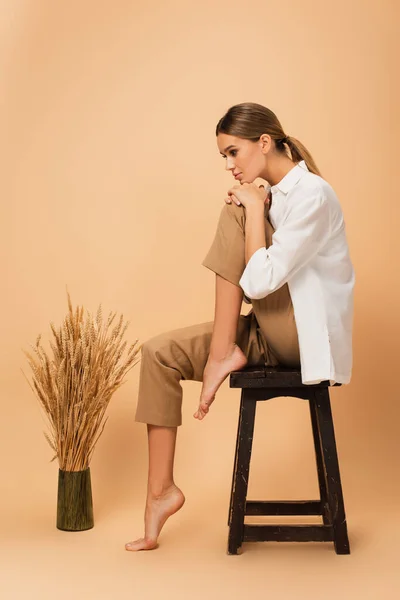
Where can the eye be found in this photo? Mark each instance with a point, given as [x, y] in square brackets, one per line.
[233, 152]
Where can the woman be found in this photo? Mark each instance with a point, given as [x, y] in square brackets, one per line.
[285, 247]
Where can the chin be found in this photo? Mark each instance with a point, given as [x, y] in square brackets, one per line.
[249, 179]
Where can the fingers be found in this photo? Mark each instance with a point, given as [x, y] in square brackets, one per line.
[266, 199]
[229, 199]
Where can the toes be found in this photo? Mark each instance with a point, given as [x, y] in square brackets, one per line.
[205, 404]
[199, 414]
[141, 544]
[203, 408]
[134, 545]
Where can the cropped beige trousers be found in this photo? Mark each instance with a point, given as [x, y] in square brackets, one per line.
[267, 335]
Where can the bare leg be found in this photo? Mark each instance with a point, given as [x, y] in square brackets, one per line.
[225, 355]
[164, 498]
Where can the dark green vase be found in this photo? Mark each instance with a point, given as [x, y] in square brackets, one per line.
[74, 500]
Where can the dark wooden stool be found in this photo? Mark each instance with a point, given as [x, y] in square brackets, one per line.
[264, 384]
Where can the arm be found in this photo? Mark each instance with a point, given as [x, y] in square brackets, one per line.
[305, 230]
[254, 231]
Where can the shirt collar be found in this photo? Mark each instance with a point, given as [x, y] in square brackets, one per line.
[290, 179]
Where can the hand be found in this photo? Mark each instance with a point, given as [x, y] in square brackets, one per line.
[249, 195]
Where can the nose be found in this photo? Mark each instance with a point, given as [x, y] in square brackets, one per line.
[230, 165]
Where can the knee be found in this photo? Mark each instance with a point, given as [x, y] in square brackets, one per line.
[151, 347]
[233, 212]
[158, 349]
[165, 351]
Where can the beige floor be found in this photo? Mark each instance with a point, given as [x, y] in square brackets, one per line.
[40, 562]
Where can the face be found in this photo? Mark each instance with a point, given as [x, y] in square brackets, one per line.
[244, 158]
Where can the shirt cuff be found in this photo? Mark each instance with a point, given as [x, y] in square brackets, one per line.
[253, 274]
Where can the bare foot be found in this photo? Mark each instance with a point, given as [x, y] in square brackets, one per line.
[158, 509]
[215, 372]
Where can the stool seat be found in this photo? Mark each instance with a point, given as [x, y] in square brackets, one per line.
[271, 377]
[265, 383]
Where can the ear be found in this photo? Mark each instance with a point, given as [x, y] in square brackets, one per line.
[265, 142]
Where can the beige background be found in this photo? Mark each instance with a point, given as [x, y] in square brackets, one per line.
[112, 184]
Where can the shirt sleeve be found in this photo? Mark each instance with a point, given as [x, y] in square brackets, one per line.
[304, 231]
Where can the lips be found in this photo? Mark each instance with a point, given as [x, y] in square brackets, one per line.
[236, 174]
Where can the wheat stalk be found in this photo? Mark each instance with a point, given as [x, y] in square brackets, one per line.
[74, 386]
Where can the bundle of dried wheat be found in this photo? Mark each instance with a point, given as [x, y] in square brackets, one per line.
[75, 386]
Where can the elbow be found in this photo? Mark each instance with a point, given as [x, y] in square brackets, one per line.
[260, 280]
[261, 290]
[255, 292]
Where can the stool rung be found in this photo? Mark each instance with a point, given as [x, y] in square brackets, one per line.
[287, 533]
[283, 507]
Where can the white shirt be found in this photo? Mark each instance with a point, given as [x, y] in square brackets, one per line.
[309, 252]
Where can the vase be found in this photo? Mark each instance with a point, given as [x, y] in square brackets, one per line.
[74, 500]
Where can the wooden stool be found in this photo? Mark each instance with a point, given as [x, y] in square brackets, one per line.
[264, 384]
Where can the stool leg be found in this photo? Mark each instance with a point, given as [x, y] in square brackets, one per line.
[235, 464]
[332, 473]
[320, 463]
[241, 474]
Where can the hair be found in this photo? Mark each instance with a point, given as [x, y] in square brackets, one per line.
[249, 121]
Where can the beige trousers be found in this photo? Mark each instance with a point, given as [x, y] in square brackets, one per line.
[267, 335]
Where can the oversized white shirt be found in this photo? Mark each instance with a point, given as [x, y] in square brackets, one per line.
[309, 252]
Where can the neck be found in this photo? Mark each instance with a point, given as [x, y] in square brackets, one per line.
[277, 168]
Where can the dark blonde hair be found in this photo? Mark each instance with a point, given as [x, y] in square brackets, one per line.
[249, 121]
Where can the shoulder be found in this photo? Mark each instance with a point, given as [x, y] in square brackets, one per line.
[311, 185]
[316, 185]
[316, 196]
[313, 190]
[309, 194]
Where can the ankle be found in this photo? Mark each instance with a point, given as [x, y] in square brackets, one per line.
[219, 353]
[156, 491]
